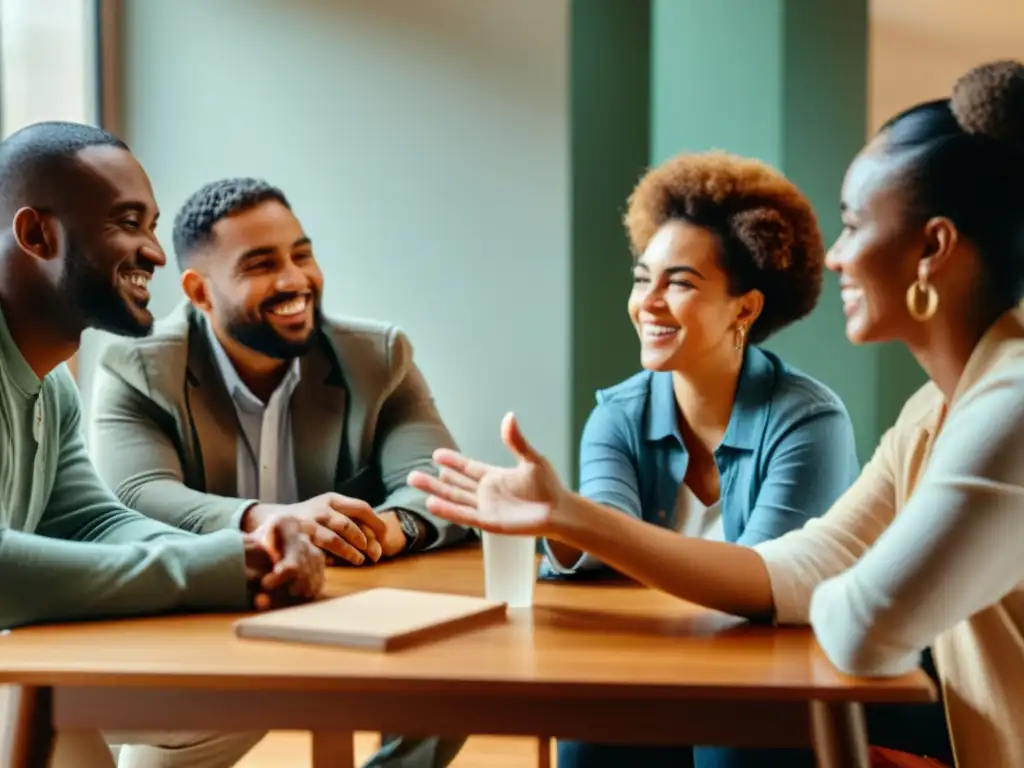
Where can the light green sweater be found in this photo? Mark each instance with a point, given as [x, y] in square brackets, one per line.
[68, 548]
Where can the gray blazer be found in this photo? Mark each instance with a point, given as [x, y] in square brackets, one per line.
[163, 429]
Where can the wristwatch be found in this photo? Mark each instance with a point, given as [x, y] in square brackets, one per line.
[410, 525]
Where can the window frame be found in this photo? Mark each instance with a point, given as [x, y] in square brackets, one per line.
[103, 27]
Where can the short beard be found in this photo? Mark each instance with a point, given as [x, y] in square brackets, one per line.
[91, 296]
[261, 337]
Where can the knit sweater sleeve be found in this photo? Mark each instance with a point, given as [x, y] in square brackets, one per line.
[92, 557]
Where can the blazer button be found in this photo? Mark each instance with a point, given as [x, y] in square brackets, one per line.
[661, 514]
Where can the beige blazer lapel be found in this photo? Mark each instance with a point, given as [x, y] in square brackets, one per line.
[318, 410]
[212, 415]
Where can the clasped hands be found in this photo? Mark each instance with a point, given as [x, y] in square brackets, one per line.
[285, 545]
[288, 546]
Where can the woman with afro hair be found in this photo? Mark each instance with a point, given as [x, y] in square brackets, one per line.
[925, 549]
[716, 438]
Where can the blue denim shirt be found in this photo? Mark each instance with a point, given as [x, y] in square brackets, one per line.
[788, 452]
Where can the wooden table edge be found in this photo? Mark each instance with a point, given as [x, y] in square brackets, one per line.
[835, 730]
[924, 691]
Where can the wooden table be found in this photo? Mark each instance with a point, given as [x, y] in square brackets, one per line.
[601, 662]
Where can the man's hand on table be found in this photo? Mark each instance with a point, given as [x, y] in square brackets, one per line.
[282, 565]
[346, 529]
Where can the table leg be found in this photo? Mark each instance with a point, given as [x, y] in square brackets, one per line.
[333, 749]
[30, 742]
[839, 735]
[543, 752]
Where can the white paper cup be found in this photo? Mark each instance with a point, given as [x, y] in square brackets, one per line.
[510, 569]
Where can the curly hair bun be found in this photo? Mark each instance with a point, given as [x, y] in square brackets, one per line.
[989, 101]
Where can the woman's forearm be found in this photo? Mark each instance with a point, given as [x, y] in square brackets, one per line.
[718, 575]
[566, 554]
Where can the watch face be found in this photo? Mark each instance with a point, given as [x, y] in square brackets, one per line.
[409, 527]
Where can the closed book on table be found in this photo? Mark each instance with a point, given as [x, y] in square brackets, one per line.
[382, 619]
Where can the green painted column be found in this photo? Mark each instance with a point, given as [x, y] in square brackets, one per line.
[784, 81]
[609, 133]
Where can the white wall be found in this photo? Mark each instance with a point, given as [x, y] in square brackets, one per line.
[424, 146]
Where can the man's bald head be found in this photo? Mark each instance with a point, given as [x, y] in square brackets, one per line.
[40, 162]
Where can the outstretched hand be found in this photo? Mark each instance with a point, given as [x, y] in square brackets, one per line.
[519, 500]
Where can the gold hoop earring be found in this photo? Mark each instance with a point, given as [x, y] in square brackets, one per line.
[741, 337]
[920, 290]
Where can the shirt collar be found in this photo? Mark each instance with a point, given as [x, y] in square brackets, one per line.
[749, 411]
[240, 393]
[661, 408]
[989, 349]
[750, 408]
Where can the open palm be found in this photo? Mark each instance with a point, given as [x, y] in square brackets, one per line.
[516, 500]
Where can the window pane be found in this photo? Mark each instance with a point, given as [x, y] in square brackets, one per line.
[47, 62]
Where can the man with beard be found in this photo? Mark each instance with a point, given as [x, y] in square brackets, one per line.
[247, 401]
[77, 251]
